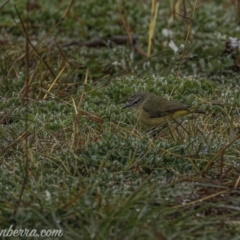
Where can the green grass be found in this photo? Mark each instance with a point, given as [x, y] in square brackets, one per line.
[71, 158]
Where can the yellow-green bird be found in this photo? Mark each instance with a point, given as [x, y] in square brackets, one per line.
[153, 110]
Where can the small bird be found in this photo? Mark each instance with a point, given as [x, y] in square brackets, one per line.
[153, 110]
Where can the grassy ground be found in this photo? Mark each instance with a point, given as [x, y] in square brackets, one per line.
[72, 159]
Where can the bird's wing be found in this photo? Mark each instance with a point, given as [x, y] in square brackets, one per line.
[163, 108]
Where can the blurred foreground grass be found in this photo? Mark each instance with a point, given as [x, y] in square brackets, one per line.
[72, 159]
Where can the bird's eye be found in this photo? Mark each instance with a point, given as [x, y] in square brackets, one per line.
[137, 98]
[132, 98]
